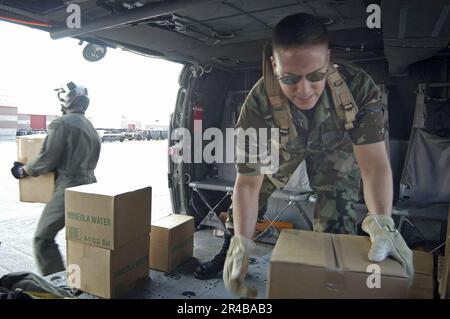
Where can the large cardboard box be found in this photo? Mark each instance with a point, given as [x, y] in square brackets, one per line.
[307, 264]
[107, 273]
[172, 242]
[422, 287]
[33, 189]
[107, 216]
[444, 286]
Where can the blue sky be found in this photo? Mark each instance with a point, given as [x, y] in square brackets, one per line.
[121, 84]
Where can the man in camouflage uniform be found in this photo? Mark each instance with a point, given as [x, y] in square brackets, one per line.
[322, 141]
[338, 149]
[325, 146]
[71, 150]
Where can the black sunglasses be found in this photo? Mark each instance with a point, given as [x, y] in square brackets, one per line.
[291, 79]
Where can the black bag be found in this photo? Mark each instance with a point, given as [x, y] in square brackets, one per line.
[437, 118]
[27, 285]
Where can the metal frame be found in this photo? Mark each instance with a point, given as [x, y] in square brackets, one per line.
[406, 213]
[146, 12]
[293, 198]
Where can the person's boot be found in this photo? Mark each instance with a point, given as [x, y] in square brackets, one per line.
[214, 267]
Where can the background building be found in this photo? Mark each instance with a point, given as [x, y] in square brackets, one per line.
[131, 125]
[13, 123]
[8, 117]
[23, 121]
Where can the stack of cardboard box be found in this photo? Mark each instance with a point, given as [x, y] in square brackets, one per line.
[307, 264]
[107, 230]
[423, 284]
[430, 279]
[444, 288]
[444, 279]
[33, 189]
[318, 265]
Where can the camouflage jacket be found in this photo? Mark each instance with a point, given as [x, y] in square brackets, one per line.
[324, 144]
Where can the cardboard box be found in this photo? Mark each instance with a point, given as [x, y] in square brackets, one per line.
[107, 273]
[307, 264]
[444, 284]
[422, 287]
[33, 189]
[444, 287]
[107, 216]
[172, 242]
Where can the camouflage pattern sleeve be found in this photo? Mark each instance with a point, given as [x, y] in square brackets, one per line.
[250, 120]
[369, 124]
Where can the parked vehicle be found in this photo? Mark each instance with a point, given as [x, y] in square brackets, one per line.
[22, 132]
[112, 137]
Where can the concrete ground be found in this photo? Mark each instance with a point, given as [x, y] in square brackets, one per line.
[181, 283]
[136, 161]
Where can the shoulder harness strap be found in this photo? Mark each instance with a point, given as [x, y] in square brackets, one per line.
[280, 112]
[343, 100]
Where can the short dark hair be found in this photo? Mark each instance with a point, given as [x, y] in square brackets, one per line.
[299, 29]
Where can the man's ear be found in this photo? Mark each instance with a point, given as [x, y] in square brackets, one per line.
[274, 65]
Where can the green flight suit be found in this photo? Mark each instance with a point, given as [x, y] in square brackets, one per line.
[71, 150]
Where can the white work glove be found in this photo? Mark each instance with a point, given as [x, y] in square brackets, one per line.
[236, 265]
[387, 241]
